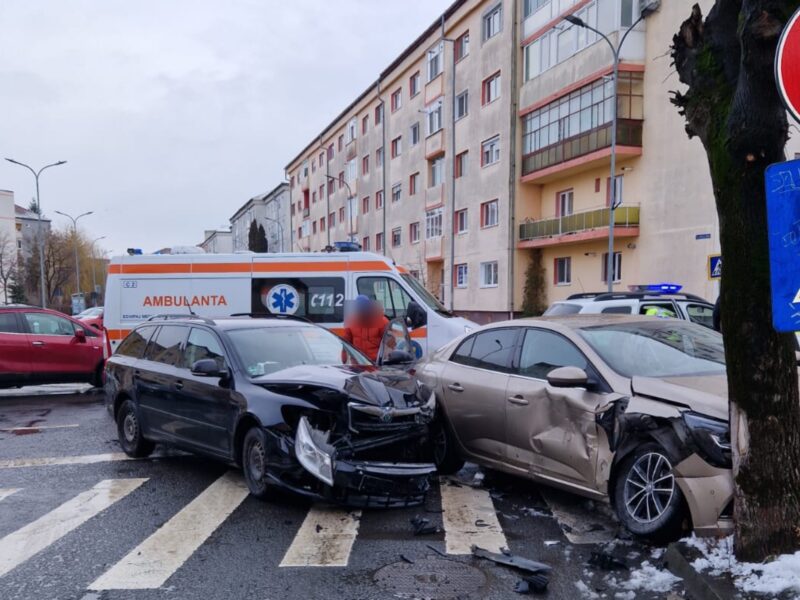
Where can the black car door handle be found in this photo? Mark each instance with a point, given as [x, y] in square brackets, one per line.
[456, 387]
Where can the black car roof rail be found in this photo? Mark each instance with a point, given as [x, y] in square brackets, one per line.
[583, 296]
[187, 316]
[266, 315]
[639, 296]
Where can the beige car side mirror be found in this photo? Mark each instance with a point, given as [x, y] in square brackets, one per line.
[568, 377]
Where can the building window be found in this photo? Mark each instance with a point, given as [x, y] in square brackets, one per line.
[413, 182]
[434, 62]
[490, 151]
[434, 119]
[291, 183]
[461, 163]
[341, 179]
[365, 204]
[413, 85]
[379, 114]
[330, 153]
[365, 165]
[314, 227]
[341, 215]
[379, 157]
[321, 158]
[413, 232]
[397, 192]
[378, 199]
[490, 213]
[562, 272]
[564, 203]
[352, 210]
[531, 6]
[305, 228]
[314, 197]
[462, 275]
[322, 224]
[493, 22]
[415, 134]
[461, 48]
[462, 221]
[397, 146]
[364, 124]
[341, 142]
[379, 242]
[617, 266]
[462, 104]
[350, 171]
[314, 165]
[491, 89]
[352, 129]
[321, 192]
[365, 244]
[433, 223]
[332, 220]
[331, 189]
[436, 168]
[397, 99]
[396, 237]
[489, 274]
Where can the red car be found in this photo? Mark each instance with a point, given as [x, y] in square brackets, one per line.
[92, 316]
[44, 346]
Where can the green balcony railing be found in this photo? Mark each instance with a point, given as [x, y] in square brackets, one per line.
[624, 216]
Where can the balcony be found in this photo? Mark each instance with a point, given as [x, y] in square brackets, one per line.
[582, 151]
[434, 249]
[579, 227]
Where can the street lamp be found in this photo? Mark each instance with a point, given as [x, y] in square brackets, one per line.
[75, 235]
[94, 264]
[39, 211]
[350, 206]
[280, 228]
[613, 201]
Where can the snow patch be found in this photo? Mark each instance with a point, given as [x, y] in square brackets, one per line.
[775, 577]
[630, 595]
[648, 577]
[586, 593]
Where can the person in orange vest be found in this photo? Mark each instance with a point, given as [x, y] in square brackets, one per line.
[364, 328]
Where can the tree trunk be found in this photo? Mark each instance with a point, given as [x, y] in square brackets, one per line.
[732, 105]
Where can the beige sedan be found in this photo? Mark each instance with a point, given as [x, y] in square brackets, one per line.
[632, 410]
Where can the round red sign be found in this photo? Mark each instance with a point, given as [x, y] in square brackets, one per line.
[787, 65]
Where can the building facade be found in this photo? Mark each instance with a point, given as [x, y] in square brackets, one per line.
[270, 210]
[217, 241]
[483, 153]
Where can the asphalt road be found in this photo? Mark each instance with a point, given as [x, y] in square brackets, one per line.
[78, 521]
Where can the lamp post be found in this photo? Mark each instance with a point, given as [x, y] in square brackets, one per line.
[280, 228]
[350, 207]
[39, 213]
[613, 200]
[75, 235]
[94, 264]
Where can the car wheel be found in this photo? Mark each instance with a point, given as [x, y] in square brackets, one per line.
[129, 431]
[445, 451]
[254, 462]
[647, 498]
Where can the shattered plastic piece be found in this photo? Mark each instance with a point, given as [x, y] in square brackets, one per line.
[511, 560]
[532, 584]
[422, 526]
[439, 552]
[607, 562]
[550, 542]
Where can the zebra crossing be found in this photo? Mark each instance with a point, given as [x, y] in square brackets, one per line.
[325, 538]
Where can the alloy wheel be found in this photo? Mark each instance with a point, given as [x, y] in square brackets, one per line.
[649, 487]
[256, 461]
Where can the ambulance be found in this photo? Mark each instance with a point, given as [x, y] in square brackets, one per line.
[319, 287]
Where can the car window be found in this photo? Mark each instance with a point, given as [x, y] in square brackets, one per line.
[462, 353]
[491, 349]
[201, 345]
[8, 323]
[166, 347]
[388, 292]
[47, 324]
[135, 343]
[702, 314]
[658, 309]
[562, 308]
[542, 351]
[318, 299]
[617, 310]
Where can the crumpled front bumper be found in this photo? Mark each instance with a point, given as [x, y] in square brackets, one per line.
[381, 484]
[709, 494]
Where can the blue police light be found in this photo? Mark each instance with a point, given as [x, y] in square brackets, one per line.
[664, 288]
[347, 246]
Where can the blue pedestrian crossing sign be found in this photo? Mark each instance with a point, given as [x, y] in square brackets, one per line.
[715, 266]
[782, 182]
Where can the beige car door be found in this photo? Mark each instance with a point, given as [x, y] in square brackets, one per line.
[474, 385]
[551, 432]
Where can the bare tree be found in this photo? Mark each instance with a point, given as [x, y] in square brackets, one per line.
[58, 265]
[732, 105]
[8, 262]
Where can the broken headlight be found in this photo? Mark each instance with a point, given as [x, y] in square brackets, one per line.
[310, 452]
[712, 436]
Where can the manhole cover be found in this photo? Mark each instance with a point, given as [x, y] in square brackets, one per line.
[434, 578]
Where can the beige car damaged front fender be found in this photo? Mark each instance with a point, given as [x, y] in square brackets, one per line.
[707, 490]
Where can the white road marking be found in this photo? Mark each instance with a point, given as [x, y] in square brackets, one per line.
[580, 525]
[88, 459]
[19, 546]
[38, 427]
[6, 492]
[151, 563]
[325, 539]
[469, 519]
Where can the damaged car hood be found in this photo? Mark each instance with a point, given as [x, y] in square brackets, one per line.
[379, 387]
[706, 394]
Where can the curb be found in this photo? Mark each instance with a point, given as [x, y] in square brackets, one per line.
[697, 585]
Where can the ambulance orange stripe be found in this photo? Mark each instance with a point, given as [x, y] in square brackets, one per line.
[258, 267]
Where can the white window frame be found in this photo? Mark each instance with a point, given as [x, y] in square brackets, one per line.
[414, 134]
[397, 192]
[617, 267]
[433, 223]
[490, 148]
[399, 232]
[397, 99]
[567, 271]
[414, 84]
[462, 275]
[433, 120]
[462, 221]
[436, 171]
[462, 105]
[492, 22]
[490, 274]
[566, 203]
[491, 88]
[414, 228]
[352, 130]
[434, 62]
[492, 209]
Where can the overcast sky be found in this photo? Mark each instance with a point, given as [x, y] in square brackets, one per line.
[172, 113]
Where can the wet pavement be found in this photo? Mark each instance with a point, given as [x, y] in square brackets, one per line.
[78, 520]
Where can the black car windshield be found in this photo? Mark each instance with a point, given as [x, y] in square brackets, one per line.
[661, 348]
[265, 350]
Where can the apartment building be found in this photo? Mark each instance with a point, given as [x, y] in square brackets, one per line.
[485, 147]
[217, 241]
[270, 210]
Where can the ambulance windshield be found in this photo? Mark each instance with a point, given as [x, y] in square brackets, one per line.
[425, 295]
